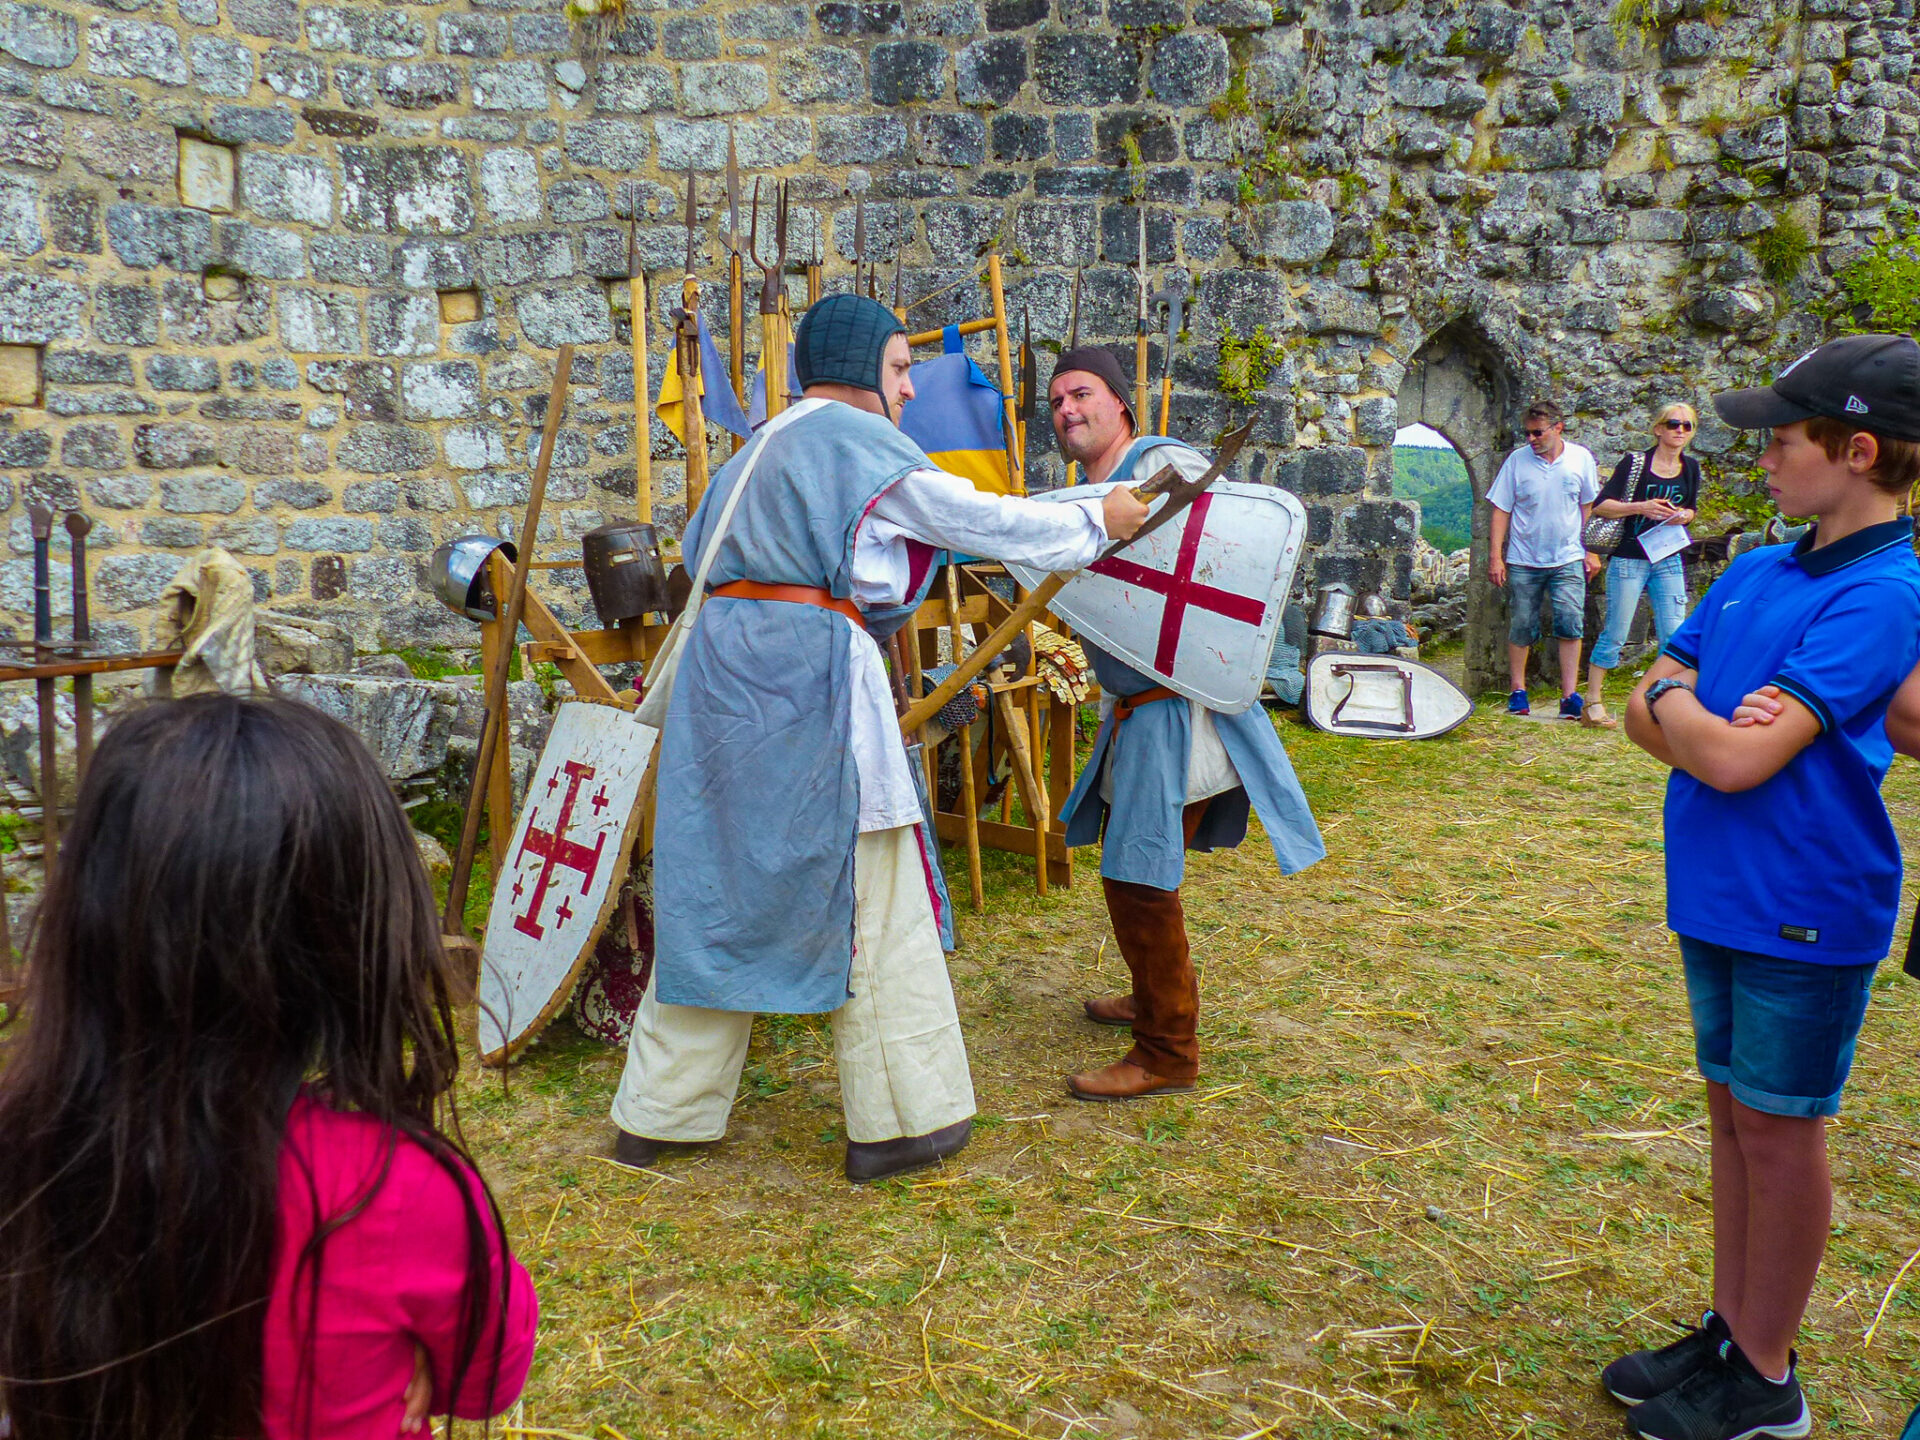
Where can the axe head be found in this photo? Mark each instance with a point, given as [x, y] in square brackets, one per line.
[1176, 303]
[1182, 493]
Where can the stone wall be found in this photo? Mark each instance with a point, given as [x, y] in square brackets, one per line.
[289, 279]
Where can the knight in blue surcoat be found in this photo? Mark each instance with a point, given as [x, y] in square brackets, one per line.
[791, 873]
[1166, 776]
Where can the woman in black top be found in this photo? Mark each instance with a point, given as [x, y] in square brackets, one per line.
[1657, 488]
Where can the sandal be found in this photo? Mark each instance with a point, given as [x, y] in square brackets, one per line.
[1596, 716]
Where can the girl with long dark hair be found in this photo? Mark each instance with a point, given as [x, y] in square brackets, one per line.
[230, 1208]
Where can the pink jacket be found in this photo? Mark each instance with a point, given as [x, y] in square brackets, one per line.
[389, 1277]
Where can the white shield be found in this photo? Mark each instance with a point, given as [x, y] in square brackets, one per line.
[1381, 697]
[563, 871]
[1195, 604]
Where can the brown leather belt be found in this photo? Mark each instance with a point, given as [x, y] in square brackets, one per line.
[1125, 705]
[792, 594]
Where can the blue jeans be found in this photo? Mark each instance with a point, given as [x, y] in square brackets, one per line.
[1665, 582]
[1567, 584]
[1778, 1033]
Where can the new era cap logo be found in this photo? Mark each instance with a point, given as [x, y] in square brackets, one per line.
[1856, 406]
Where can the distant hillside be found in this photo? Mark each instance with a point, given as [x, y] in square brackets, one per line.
[1438, 480]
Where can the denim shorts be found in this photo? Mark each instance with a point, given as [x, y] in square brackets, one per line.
[1778, 1033]
[1526, 583]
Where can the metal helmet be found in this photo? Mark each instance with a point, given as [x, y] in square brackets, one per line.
[459, 574]
[1373, 607]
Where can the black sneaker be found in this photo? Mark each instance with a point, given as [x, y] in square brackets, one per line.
[1636, 1378]
[1726, 1399]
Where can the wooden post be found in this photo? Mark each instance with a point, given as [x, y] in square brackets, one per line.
[1016, 469]
[969, 796]
[642, 402]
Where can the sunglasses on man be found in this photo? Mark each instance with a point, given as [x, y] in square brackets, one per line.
[1536, 434]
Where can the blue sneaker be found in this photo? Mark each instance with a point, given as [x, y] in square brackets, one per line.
[1572, 705]
[1517, 703]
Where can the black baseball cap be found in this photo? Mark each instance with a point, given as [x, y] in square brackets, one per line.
[1872, 381]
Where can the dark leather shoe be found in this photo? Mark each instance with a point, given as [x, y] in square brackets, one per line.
[1110, 1010]
[1123, 1080]
[637, 1152]
[870, 1160]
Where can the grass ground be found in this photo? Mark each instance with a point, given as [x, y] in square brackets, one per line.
[1447, 1158]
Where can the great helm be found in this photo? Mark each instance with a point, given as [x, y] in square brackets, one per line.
[458, 571]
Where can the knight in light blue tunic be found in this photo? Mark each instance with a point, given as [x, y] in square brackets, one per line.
[791, 874]
[1166, 775]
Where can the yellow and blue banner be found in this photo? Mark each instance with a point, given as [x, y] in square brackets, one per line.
[958, 416]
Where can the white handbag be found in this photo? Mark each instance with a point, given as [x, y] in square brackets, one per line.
[657, 689]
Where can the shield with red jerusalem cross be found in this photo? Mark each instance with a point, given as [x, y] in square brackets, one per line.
[1196, 603]
[562, 872]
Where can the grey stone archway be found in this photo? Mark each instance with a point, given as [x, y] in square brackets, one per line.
[1458, 384]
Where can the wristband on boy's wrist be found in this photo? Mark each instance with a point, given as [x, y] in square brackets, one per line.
[1661, 687]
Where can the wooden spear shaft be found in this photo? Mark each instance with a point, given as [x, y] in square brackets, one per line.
[454, 922]
[693, 410]
[642, 413]
[736, 328]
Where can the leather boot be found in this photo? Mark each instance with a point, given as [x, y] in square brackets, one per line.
[1123, 1080]
[637, 1152]
[1151, 929]
[870, 1160]
[1110, 1010]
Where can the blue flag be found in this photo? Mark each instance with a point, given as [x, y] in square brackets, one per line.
[958, 416]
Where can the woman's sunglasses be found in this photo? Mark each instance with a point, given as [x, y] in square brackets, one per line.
[1678, 424]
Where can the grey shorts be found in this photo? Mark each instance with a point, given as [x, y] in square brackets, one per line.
[1567, 584]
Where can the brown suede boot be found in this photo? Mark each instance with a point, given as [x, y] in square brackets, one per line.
[1151, 929]
[1123, 1080]
[1110, 1010]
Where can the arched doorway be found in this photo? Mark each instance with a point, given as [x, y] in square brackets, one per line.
[1457, 384]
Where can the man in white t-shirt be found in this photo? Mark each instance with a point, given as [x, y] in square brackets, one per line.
[1541, 499]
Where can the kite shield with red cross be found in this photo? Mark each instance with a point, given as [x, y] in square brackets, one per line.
[562, 872]
[1197, 603]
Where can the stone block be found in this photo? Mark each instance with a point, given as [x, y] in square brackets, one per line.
[767, 22]
[384, 449]
[859, 139]
[146, 237]
[441, 390]
[88, 367]
[131, 582]
[475, 447]
[516, 259]
[839, 18]
[990, 71]
[690, 37]
[29, 137]
[1535, 147]
[135, 49]
[1087, 69]
[23, 449]
[608, 144]
[260, 450]
[120, 492]
[125, 315]
[1189, 69]
[1057, 232]
[552, 316]
[513, 85]
[479, 37]
[206, 175]
[573, 201]
[295, 75]
[1005, 15]
[74, 218]
[94, 445]
[349, 259]
[19, 217]
[1021, 137]
[434, 264]
[173, 445]
[38, 36]
[821, 73]
[410, 190]
[287, 187]
[459, 307]
[294, 494]
[903, 71]
[633, 89]
[1690, 42]
[956, 140]
[20, 382]
[419, 86]
[192, 374]
[258, 250]
[123, 152]
[199, 494]
[1231, 15]
[723, 88]
[1295, 232]
[221, 66]
[319, 321]
[537, 34]
[1329, 470]
[247, 537]
[375, 34]
[782, 140]
[405, 323]
[269, 19]
[338, 534]
[1376, 420]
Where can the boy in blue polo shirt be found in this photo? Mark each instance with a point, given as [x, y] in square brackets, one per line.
[1783, 873]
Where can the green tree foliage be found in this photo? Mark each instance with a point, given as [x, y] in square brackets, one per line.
[1882, 287]
[1438, 480]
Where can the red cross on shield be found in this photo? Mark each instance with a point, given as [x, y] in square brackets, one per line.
[556, 849]
[1196, 604]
